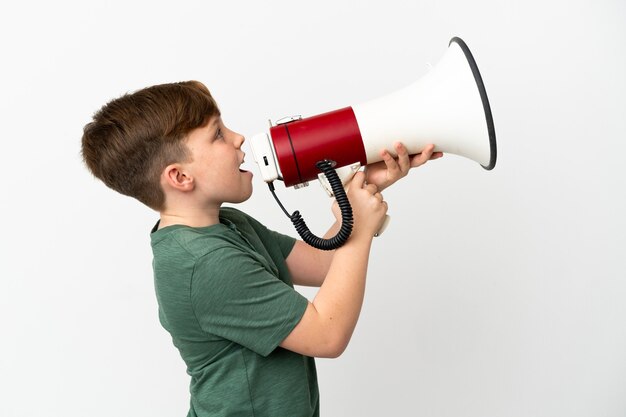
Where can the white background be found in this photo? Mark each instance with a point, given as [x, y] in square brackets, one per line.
[498, 293]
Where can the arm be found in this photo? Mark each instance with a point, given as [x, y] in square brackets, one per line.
[328, 322]
[309, 266]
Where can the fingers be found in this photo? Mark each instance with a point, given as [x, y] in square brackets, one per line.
[372, 188]
[433, 154]
[427, 152]
[403, 158]
[400, 165]
[358, 180]
[424, 156]
[393, 168]
[368, 205]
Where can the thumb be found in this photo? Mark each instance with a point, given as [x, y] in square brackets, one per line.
[358, 180]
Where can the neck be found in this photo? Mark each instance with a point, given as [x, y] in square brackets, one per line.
[190, 216]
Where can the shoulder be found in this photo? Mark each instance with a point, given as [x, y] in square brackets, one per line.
[238, 217]
[253, 228]
[194, 243]
[245, 223]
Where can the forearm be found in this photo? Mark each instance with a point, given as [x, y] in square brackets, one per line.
[339, 299]
[329, 320]
[326, 256]
[308, 265]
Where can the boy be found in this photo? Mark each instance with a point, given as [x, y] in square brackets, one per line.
[224, 283]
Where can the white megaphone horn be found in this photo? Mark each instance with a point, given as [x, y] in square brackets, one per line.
[447, 107]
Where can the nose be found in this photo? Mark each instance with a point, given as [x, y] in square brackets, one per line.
[239, 140]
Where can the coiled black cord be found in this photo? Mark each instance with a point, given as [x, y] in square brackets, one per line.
[347, 220]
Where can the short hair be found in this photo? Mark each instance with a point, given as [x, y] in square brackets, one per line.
[133, 138]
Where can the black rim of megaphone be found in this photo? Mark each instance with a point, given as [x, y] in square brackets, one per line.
[483, 95]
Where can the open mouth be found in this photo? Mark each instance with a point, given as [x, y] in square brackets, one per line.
[242, 165]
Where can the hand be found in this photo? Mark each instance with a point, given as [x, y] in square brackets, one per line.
[390, 169]
[368, 207]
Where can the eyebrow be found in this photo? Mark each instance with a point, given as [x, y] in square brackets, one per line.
[213, 123]
[214, 126]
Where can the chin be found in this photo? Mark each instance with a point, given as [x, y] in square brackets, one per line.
[246, 195]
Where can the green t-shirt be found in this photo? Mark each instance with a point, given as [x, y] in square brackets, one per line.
[226, 297]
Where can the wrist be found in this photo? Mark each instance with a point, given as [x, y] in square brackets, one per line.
[361, 239]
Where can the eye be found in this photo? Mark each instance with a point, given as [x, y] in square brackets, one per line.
[219, 134]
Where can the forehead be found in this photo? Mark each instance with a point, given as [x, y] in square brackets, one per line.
[201, 133]
[214, 120]
[211, 125]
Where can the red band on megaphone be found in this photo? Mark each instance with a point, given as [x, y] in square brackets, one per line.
[302, 143]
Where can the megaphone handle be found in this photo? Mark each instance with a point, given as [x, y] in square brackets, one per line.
[383, 226]
[345, 230]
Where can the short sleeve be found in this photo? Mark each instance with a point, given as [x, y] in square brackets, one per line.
[284, 242]
[270, 237]
[235, 297]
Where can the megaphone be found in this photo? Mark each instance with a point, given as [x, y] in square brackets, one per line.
[447, 107]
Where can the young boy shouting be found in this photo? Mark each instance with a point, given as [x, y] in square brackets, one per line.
[224, 282]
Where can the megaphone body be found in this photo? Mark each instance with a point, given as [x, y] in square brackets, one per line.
[447, 107]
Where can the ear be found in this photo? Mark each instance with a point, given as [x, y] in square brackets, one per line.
[177, 178]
